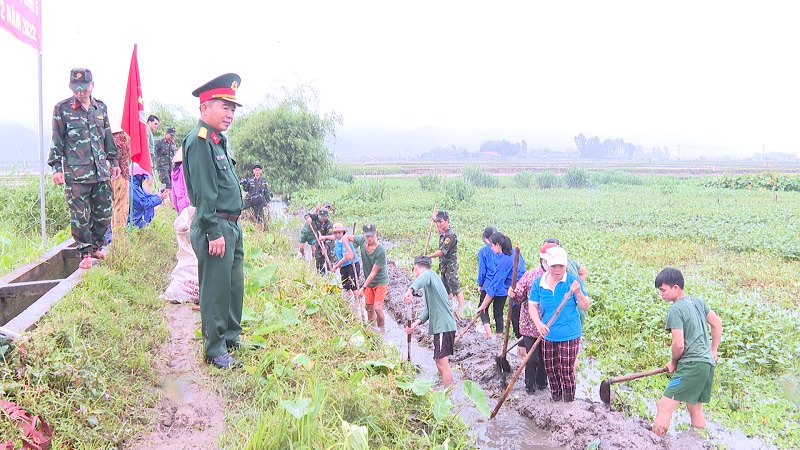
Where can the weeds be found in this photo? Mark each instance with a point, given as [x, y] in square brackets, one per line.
[87, 369]
[455, 191]
[479, 177]
[431, 181]
[524, 179]
[576, 177]
[547, 180]
[624, 235]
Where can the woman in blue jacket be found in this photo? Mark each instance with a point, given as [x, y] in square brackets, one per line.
[487, 261]
[497, 288]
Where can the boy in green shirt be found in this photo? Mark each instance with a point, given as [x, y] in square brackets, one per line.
[437, 308]
[376, 282]
[693, 354]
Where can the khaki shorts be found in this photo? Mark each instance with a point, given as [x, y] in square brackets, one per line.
[375, 294]
[691, 382]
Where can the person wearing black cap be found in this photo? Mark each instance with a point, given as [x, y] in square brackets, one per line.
[438, 311]
[257, 196]
[165, 151]
[448, 258]
[83, 156]
[216, 234]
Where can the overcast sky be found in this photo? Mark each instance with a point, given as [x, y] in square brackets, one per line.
[722, 75]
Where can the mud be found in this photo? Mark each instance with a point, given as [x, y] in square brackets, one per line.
[190, 414]
[570, 425]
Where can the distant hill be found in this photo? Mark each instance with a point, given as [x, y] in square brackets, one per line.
[20, 145]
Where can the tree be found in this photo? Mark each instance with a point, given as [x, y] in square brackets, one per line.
[288, 140]
[173, 116]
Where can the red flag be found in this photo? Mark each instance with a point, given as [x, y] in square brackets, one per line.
[133, 120]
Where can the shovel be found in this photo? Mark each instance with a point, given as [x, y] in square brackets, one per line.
[605, 386]
[501, 361]
[527, 357]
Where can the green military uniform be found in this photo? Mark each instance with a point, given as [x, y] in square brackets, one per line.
[257, 196]
[213, 189]
[448, 262]
[323, 226]
[82, 147]
[165, 151]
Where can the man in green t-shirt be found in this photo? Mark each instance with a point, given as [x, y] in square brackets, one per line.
[373, 260]
[694, 355]
[438, 310]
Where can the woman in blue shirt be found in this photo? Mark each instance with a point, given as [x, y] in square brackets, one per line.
[561, 340]
[487, 261]
[497, 288]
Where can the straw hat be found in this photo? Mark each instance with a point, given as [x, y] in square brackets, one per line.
[178, 156]
[338, 227]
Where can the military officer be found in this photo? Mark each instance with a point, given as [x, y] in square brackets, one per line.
[213, 189]
[448, 258]
[165, 151]
[81, 151]
[258, 195]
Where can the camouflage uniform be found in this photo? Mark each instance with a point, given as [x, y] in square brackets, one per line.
[448, 262]
[165, 151]
[82, 146]
[257, 196]
[323, 226]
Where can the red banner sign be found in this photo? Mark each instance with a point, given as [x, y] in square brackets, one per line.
[23, 19]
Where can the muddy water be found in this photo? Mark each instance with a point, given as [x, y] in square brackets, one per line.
[509, 430]
[534, 421]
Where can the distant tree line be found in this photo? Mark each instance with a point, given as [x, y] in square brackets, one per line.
[504, 147]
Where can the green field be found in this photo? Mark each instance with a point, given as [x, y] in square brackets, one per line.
[738, 250]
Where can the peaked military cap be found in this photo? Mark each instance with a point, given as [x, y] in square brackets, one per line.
[170, 130]
[223, 87]
[80, 79]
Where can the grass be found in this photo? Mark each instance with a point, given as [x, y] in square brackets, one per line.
[737, 249]
[87, 366]
[20, 219]
[317, 378]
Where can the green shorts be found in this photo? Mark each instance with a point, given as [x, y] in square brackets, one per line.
[691, 382]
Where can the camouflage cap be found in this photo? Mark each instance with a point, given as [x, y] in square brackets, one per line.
[171, 130]
[369, 229]
[322, 213]
[80, 79]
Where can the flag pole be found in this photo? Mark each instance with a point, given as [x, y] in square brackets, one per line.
[42, 214]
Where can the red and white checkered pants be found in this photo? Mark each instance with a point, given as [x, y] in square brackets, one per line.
[559, 363]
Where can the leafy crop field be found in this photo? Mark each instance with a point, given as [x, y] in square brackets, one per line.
[738, 249]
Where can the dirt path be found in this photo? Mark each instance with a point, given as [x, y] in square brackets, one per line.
[572, 425]
[191, 415]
